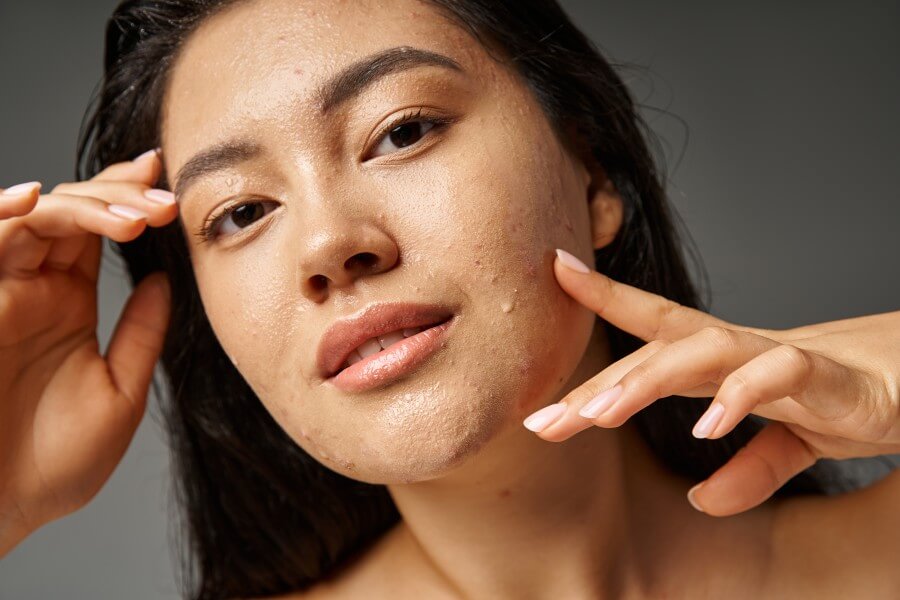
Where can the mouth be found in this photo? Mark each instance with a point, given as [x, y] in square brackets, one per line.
[385, 358]
[378, 344]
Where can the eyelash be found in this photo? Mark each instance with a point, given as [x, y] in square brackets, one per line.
[207, 232]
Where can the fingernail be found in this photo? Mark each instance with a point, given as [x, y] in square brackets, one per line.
[690, 497]
[709, 420]
[22, 188]
[570, 261]
[126, 212]
[146, 154]
[543, 418]
[161, 196]
[600, 403]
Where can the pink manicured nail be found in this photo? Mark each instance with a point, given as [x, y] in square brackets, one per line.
[21, 188]
[146, 154]
[161, 196]
[126, 212]
[690, 496]
[570, 261]
[600, 403]
[709, 420]
[543, 418]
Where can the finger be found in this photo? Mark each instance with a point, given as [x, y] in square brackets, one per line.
[640, 313]
[25, 241]
[138, 339]
[158, 204]
[145, 169]
[707, 356]
[758, 470]
[560, 421]
[64, 252]
[18, 200]
[841, 399]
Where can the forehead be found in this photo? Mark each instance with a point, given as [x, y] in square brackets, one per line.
[260, 60]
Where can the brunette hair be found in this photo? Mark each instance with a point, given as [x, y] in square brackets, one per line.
[261, 516]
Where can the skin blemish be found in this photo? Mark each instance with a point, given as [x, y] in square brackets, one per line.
[483, 199]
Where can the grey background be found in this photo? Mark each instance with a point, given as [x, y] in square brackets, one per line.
[787, 185]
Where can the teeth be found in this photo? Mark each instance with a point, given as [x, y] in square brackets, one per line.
[374, 345]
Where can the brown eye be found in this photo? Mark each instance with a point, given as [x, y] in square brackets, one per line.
[405, 134]
[241, 216]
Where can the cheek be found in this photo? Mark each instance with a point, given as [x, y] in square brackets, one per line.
[246, 305]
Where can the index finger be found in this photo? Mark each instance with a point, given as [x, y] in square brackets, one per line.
[145, 168]
[643, 314]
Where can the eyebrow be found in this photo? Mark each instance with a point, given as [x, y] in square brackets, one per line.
[348, 83]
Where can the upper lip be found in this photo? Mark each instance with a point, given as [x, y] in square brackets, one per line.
[345, 335]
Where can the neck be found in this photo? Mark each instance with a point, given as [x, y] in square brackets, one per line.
[530, 518]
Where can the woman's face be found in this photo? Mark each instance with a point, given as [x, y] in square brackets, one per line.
[464, 214]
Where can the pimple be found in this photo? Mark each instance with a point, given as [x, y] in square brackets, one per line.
[507, 307]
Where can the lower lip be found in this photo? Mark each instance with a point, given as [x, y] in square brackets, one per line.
[395, 361]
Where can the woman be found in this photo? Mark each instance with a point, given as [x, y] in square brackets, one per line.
[312, 190]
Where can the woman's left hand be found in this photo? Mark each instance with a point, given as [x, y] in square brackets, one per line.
[831, 390]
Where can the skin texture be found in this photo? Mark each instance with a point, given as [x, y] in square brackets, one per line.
[468, 217]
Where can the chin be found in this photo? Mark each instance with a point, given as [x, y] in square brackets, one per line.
[418, 436]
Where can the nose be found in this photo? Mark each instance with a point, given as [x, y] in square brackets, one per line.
[337, 259]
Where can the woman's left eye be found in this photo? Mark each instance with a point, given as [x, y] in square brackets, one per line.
[403, 135]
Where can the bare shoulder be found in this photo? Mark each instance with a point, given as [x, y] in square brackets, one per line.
[839, 546]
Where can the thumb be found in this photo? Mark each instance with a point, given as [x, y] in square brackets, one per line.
[138, 338]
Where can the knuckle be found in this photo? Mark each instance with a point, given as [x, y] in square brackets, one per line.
[737, 384]
[796, 359]
[718, 336]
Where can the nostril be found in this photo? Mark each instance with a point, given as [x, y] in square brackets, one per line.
[364, 259]
[318, 282]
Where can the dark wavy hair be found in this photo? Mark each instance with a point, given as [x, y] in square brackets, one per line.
[261, 516]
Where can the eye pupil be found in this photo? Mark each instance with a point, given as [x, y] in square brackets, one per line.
[406, 134]
[247, 214]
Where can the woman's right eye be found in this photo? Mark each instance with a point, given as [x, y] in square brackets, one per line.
[236, 218]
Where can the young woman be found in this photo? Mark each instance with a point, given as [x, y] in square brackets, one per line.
[359, 248]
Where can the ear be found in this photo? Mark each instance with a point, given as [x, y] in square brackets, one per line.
[606, 208]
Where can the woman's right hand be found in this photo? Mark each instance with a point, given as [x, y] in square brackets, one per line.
[68, 413]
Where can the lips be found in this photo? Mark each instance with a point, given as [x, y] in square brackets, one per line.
[345, 335]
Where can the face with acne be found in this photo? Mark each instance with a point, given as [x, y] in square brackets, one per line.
[462, 205]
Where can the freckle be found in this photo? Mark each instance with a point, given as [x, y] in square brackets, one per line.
[504, 493]
[493, 279]
[477, 263]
